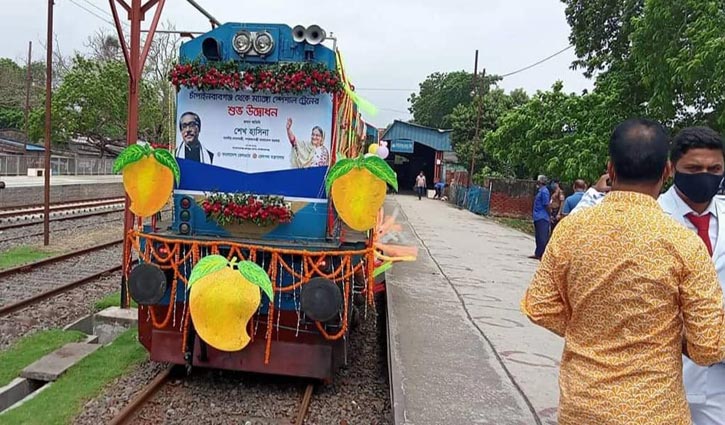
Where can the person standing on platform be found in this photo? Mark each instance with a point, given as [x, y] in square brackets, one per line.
[557, 199]
[542, 217]
[630, 290]
[571, 201]
[420, 185]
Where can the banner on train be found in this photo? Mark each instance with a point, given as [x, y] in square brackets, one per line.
[253, 132]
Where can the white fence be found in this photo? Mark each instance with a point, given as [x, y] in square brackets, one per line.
[18, 165]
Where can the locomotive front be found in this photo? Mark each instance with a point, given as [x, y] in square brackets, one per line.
[256, 271]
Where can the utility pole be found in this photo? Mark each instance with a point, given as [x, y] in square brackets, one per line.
[479, 111]
[28, 80]
[474, 94]
[48, 95]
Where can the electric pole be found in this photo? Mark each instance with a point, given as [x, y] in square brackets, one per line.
[28, 81]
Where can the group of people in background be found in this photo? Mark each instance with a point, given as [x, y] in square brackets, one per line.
[633, 279]
[551, 206]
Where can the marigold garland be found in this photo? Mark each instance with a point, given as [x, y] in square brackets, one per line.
[288, 78]
[173, 258]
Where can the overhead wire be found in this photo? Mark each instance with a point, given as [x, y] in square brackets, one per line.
[508, 74]
[103, 18]
[526, 68]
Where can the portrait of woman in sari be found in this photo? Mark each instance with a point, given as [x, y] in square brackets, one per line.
[308, 154]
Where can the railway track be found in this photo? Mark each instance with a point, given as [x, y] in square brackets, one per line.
[6, 213]
[25, 217]
[127, 414]
[31, 283]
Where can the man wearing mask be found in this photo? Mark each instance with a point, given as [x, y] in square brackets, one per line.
[698, 158]
[629, 289]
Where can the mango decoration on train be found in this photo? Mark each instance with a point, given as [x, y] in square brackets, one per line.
[358, 188]
[223, 298]
[148, 177]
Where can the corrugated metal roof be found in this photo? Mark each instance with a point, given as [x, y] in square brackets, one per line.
[435, 138]
[34, 148]
[28, 146]
[371, 131]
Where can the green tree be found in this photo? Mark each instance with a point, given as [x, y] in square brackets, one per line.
[13, 83]
[11, 117]
[672, 51]
[600, 31]
[91, 102]
[492, 105]
[558, 134]
[439, 95]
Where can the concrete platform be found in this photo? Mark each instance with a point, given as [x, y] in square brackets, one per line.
[22, 191]
[460, 351]
[26, 181]
[52, 366]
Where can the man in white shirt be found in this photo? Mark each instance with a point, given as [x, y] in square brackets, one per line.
[699, 162]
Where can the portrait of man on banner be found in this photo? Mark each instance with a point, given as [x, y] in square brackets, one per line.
[308, 154]
[191, 148]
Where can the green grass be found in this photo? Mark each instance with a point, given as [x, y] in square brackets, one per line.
[21, 255]
[519, 224]
[64, 399]
[31, 348]
[111, 300]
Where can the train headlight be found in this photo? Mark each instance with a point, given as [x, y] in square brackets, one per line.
[321, 299]
[263, 43]
[242, 42]
[147, 284]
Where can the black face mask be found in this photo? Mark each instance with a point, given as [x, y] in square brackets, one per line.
[700, 187]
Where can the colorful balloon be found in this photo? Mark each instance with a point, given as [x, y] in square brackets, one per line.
[373, 148]
[382, 152]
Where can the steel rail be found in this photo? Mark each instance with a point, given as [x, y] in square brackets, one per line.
[34, 209]
[10, 308]
[305, 404]
[146, 393]
[61, 257]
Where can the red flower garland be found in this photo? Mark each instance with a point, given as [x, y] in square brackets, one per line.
[242, 208]
[279, 79]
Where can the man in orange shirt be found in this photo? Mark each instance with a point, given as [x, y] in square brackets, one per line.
[630, 290]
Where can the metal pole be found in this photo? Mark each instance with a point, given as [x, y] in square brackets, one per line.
[28, 79]
[135, 59]
[212, 19]
[48, 96]
[474, 91]
[478, 121]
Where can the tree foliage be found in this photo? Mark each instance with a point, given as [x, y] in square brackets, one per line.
[558, 134]
[441, 93]
[676, 50]
[92, 101]
[492, 106]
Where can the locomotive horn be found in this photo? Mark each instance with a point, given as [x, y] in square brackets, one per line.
[298, 33]
[314, 35]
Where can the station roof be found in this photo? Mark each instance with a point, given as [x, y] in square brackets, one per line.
[29, 147]
[434, 138]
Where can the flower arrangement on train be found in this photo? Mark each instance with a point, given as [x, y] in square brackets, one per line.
[289, 78]
[247, 208]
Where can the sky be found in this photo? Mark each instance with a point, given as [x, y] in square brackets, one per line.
[387, 44]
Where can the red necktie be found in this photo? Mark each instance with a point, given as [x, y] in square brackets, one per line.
[702, 224]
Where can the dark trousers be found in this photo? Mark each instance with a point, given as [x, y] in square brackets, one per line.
[542, 229]
[421, 191]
